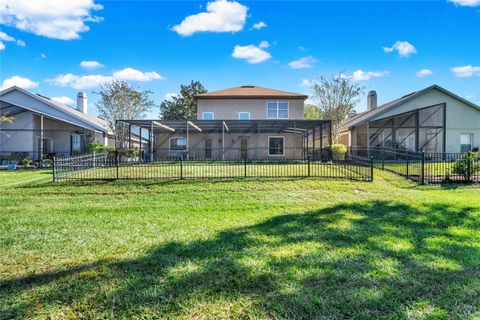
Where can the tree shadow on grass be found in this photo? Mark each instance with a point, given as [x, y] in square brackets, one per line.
[363, 260]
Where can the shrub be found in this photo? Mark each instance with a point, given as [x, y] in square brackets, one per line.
[27, 162]
[97, 147]
[461, 165]
[339, 151]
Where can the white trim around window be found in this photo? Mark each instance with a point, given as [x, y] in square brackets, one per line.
[283, 146]
[211, 115]
[244, 113]
[278, 107]
[170, 144]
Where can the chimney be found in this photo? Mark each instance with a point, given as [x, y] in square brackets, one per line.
[371, 100]
[82, 102]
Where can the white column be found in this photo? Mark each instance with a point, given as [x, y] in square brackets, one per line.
[41, 137]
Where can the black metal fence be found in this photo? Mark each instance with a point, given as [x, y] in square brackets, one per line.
[106, 166]
[425, 167]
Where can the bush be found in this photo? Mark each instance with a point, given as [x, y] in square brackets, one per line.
[338, 152]
[461, 165]
[97, 147]
[27, 162]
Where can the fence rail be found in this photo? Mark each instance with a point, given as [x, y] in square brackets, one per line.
[425, 167]
[115, 167]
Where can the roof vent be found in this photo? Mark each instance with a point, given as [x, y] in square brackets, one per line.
[247, 86]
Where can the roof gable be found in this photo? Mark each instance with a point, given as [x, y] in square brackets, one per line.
[250, 92]
[52, 109]
[377, 112]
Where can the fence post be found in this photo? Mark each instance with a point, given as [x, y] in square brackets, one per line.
[53, 168]
[371, 168]
[181, 168]
[408, 161]
[245, 167]
[116, 162]
[468, 167]
[423, 168]
[308, 158]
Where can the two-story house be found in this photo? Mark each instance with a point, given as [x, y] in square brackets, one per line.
[242, 122]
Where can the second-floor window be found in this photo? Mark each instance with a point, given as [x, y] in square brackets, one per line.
[208, 116]
[244, 116]
[277, 109]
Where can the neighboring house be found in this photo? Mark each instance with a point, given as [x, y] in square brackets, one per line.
[42, 126]
[429, 120]
[242, 122]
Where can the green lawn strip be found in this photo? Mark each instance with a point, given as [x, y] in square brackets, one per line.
[298, 248]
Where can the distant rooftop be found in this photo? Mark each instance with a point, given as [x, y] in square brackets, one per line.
[250, 92]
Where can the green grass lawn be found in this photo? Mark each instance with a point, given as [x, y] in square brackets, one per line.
[305, 248]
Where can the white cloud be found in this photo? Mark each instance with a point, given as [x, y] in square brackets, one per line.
[361, 75]
[250, 53]
[466, 71]
[5, 37]
[43, 55]
[64, 100]
[95, 80]
[80, 82]
[50, 18]
[404, 48]
[307, 83]
[423, 73]
[170, 95]
[466, 3]
[259, 25]
[302, 63]
[221, 16]
[136, 75]
[90, 64]
[264, 44]
[302, 48]
[18, 81]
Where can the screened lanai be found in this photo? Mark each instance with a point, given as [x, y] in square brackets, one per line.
[420, 130]
[225, 139]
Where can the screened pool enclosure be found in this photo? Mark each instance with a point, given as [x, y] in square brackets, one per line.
[421, 130]
[155, 140]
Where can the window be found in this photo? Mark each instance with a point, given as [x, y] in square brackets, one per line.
[277, 109]
[208, 116]
[275, 146]
[178, 144]
[76, 143]
[244, 115]
[465, 142]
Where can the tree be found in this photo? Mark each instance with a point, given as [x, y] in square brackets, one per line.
[184, 105]
[311, 112]
[4, 118]
[119, 101]
[336, 98]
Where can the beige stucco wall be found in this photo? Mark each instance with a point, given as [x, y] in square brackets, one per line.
[24, 133]
[228, 109]
[460, 117]
[292, 145]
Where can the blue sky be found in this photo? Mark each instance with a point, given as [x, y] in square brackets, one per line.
[159, 45]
